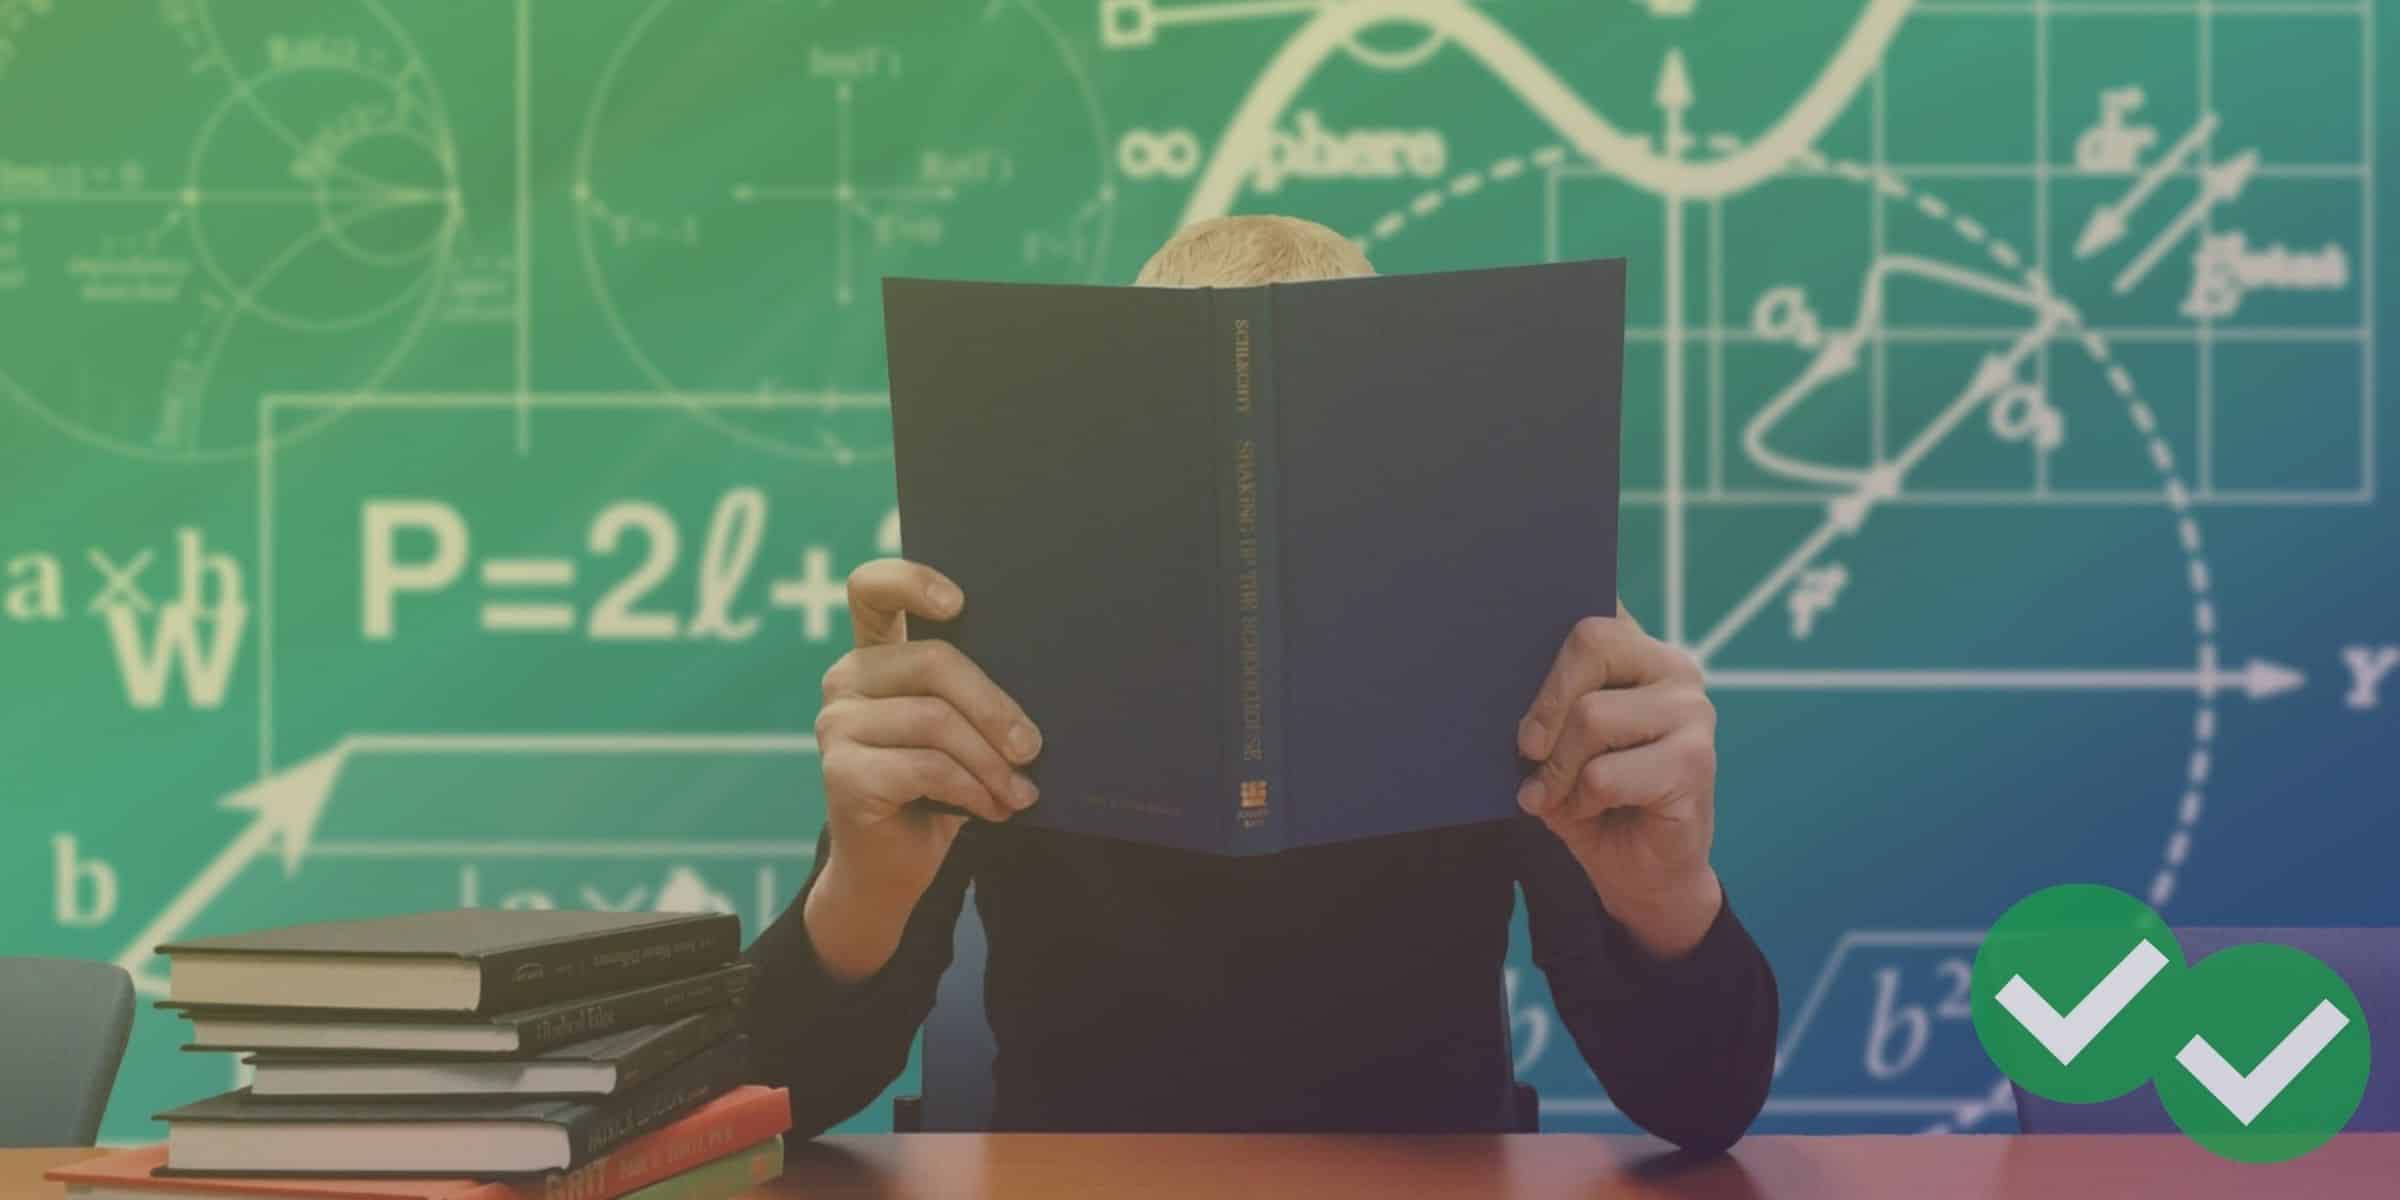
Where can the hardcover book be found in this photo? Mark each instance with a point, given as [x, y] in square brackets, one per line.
[478, 960]
[238, 1132]
[524, 1032]
[728, 1177]
[742, 1126]
[597, 1066]
[1270, 566]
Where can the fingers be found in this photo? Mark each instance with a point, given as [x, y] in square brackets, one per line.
[904, 719]
[938, 669]
[1655, 775]
[1600, 652]
[887, 777]
[1609, 722]
[926, 723]
[883, 592]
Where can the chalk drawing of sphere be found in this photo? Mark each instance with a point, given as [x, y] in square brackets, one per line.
[748, 174]
[267, 214]
[326, 201]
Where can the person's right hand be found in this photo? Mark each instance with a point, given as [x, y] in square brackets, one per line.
[904, 720]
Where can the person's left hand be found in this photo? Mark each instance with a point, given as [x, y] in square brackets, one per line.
[1626, 741]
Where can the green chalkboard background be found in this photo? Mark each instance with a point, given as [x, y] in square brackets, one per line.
[432, 434]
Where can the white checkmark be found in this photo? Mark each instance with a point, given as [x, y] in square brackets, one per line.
[2065, 1037]
[2246, 1096]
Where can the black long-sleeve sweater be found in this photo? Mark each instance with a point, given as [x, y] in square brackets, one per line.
[1352, 987]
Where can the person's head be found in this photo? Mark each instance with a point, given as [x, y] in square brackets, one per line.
[1246, 250]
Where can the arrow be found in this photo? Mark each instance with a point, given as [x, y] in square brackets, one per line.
[2260, 680]
[1992, 376]
[287, 805]
[1839, 355]
[1847, 512]
[285, 809]
[1674, 96]
[2218, 185]
[2108, 221]
[1994, 373]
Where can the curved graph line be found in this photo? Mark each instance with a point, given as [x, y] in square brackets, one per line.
[173, 440]
[1548, 96]
[248, 298]
[240, 87]
[1839, 356]
[173, 422]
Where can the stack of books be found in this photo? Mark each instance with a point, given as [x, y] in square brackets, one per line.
[474, 1053]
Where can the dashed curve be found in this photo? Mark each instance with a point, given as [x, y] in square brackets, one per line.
[2145, 421]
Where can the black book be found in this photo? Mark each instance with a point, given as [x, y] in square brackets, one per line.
[245, 1134]
[1269, 566]
[477, 960]
[601, 1066]
[524, 1032]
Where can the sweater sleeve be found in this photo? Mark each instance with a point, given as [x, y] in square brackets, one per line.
[837, 1045]
[1685, 1047]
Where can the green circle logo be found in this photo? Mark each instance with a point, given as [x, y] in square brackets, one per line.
[2075, 993]
[2274, 1055]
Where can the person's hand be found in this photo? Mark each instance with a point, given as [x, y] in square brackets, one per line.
[1625, 739]
[905, 720]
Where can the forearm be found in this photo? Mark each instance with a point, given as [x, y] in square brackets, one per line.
[854, 920]
[837, 1041]
[1684, 1044]
[1678, 1025]
[1668, 923]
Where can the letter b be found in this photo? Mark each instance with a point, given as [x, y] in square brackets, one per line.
[1907, 1022]
[72, 874]
[198, 566]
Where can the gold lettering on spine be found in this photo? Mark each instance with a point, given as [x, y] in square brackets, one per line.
[1245, 509]
[1241, 365]
[1253, 792]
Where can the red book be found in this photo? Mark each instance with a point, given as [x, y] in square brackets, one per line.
[742, 1117]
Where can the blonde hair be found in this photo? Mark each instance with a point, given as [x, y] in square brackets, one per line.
[1244, 250]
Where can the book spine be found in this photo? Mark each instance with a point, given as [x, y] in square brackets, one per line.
[733, 1175]
[665, 1051]
[693, 1082]
[753, 1117]
[558, 1026]
[1245, 346]
[530, 976]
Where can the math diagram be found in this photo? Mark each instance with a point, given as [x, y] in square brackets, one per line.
[446, 428]
[1897, 357]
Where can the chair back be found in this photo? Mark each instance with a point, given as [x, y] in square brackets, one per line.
[955, 1060]
[2368, 959]
[63, 1024]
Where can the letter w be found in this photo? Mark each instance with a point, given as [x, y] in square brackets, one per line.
[176, 636]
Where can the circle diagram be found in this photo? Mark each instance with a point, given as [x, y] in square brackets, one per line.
[747, 175]
[278, 213]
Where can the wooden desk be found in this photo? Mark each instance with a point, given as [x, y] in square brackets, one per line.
[954, 1166]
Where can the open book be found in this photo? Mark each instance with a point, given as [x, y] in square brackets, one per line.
[1270, 566]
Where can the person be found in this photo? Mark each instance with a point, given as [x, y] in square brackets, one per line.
[1347, 987]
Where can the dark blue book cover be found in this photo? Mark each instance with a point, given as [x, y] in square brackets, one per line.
[1271, 566]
